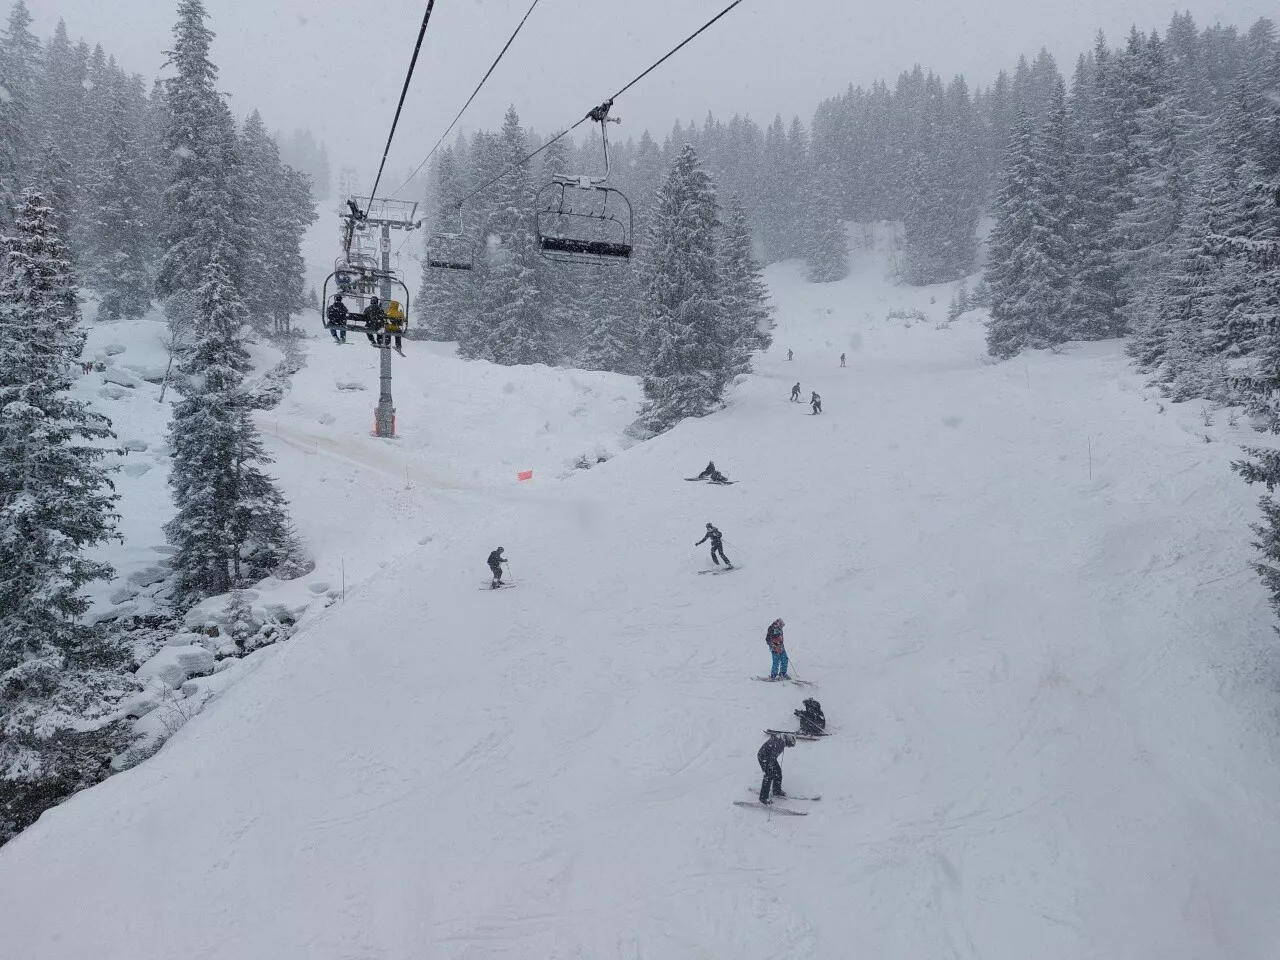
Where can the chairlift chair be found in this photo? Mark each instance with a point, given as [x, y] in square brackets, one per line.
[361, 293]
[581, 219]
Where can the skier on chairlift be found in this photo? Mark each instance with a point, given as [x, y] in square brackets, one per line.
[337, 315]
[374, 320]
[395, 323]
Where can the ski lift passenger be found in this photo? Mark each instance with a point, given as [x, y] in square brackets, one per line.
[374, 320]
[395, 321]
[337, 315]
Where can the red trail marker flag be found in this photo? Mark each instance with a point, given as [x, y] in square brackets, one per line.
[524, 474]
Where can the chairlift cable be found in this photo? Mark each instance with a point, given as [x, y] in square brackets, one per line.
[483, 79]
[413, 62]
[600, 113]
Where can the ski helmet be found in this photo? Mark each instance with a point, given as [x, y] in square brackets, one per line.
[789, 740]
[709, 527]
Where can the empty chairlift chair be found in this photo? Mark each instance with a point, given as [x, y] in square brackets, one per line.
[580, 219]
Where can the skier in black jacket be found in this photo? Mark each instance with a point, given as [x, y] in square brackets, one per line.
[337, 315]
[717, 547]
[768, 756]
[707, 471]
[812, 721]
[496, 559]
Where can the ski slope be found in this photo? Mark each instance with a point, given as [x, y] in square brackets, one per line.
[1022, 590]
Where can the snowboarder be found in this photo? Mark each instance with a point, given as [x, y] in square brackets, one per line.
[816, 402]
[496, 559]
[707, 471]
[337, 315]
[777, 646]
[768, 756]
[842, 359]
[788, 354]
[395, 323]
[374, 319]
[812, 721]
[795, 393]
[717, 547]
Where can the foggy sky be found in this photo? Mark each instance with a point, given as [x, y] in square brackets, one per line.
[336, 66]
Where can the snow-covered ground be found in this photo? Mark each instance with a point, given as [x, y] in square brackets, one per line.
[1022, 590]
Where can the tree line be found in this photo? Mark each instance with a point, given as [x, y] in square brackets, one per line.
[132, 197]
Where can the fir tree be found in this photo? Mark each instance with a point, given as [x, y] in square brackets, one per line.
[689, 366]
[509, 307]
[230, 527]
[1028, 243]
[744, 296]
[200, 201]
[57, 675]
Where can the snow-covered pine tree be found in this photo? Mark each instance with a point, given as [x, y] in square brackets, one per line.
[689, 364]
[231, 527]
[826, 250]
[295, 211]
[509, 308]
[444, 299]
[58, 676]
[200, 201]
[743, 294]
[1029, 246]
[258, 190]
[19, 128]
[117, 230]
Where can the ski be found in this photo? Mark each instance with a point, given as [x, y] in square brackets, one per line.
[797, 734]
[717, 572]
[798, 683]
[771, 808]
[488, 585]
[695, 479]
[789, 796]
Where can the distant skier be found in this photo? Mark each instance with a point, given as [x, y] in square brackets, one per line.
[717, 547]
[816, 402]
[795, 393]
[788, 354]
[718, 477]
[777, 646]
[707, 471]
[842, 360]
[812, 720]
[337, 315]
[496, 559]
[768, 756]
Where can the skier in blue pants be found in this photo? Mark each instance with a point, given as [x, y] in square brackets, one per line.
[773, 637]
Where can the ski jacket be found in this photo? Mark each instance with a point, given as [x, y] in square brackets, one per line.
[713, 535]
[773, 636]
[811, 719]
[708, 471]
[496, 558]
[337, 314]
[374, 318]
[771, 750]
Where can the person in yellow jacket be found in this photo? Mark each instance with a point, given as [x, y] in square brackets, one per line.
[395, 321]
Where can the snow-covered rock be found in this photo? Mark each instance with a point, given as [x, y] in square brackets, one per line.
[174, 665]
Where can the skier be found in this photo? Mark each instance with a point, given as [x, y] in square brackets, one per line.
[717, 547]
[708, 470]
[795, 393]
[496, 559]
[395, 323]
[337, 315]
[777, 646]
[768, 756]
[842, 359]
[816, 401]
[788, 354]
[718, 477]
[374, 319]
[812, 721]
